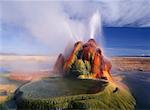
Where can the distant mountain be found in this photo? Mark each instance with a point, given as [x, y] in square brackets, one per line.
[17, 54]
[9, 54]
[132, 56]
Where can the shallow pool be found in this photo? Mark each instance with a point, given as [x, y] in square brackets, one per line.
[139, 84]
[56, 86]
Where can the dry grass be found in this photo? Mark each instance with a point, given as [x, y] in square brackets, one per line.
[3, 98]
[10, 88]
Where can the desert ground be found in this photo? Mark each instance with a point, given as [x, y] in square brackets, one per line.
[119, 63]
[131, 63]
[6, 89]
[35, 58]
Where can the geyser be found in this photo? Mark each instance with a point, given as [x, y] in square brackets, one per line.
[86, 61]
[95, 24]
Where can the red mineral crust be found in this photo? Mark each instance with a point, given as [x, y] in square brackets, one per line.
[85, 61]
[58, 67]
[97, 64]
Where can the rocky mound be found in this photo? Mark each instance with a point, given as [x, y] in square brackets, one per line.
[85, 61]
[110, 97]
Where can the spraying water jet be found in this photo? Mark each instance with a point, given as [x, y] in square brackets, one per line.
[95, 24]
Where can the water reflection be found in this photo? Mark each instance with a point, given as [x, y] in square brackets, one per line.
[54, 87]
[139, 84]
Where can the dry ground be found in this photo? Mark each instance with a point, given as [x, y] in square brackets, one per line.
[10, 88]
[131, 63]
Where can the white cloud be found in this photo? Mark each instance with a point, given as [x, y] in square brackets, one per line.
[45, 20]
[115, 12]
[56, 23]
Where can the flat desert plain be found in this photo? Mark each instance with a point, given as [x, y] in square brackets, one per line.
[131, 63]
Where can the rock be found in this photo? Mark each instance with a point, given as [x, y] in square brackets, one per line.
[58, 67]
[73, 56]
[97, 64]
[85, 61]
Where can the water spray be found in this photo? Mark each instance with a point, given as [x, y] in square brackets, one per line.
[95, 24]
[70, 32]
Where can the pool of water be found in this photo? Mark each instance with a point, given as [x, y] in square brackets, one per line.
[4, 69]
[56, 86]
[139, 84]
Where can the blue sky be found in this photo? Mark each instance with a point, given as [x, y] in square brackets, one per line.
[127, 41]
[46, 28]
[18, 40]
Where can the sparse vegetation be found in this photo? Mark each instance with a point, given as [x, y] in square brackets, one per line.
[8, 89]
[3, 106]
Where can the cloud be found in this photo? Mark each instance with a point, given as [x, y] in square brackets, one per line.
[46, 21]
[57, 23]
[115, 13]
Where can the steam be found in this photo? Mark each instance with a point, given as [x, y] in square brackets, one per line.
[95, 24]
[48, 23]
[27, 63]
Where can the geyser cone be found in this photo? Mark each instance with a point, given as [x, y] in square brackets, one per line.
[85, 61]
[71, 59]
